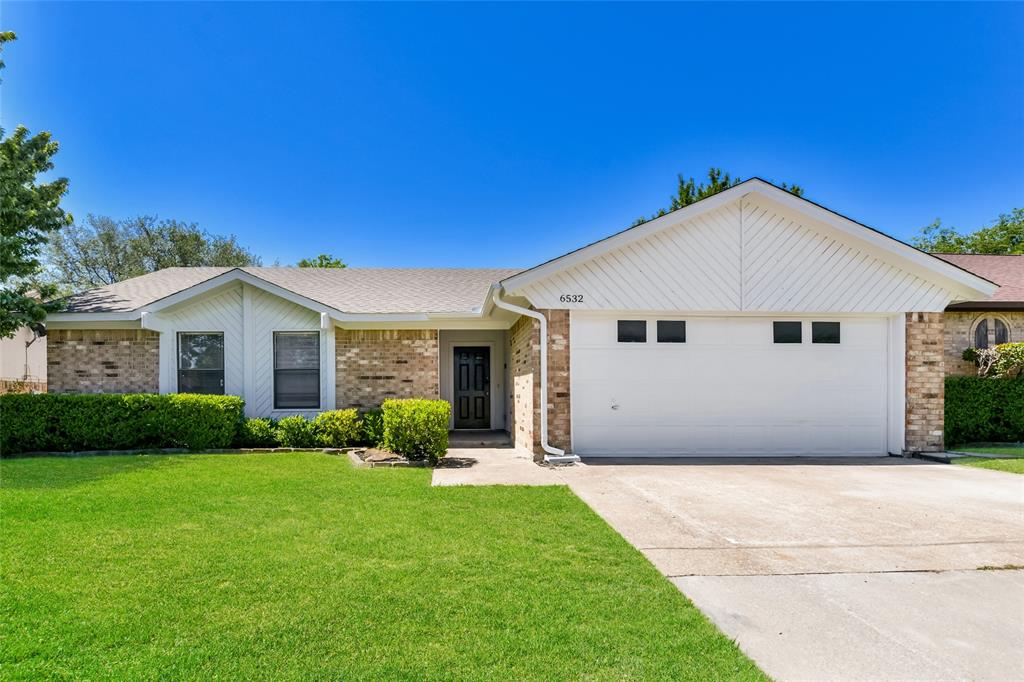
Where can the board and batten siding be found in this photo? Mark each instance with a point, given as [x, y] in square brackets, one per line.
[750, 255]
[248, 318]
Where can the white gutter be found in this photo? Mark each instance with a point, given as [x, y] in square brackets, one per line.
[555, 455]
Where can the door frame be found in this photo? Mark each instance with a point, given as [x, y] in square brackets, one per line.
[497, 409]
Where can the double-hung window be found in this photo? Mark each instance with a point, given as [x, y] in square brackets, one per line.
[296, 370]
[201, 362]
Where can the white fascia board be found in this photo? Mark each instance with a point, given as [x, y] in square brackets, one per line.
[93, 317]
[964, 279]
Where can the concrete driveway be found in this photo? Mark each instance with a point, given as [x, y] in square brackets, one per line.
[829, 570]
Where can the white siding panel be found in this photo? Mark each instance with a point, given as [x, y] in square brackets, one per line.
[694, 266]
[795, 264]
[273, 314]
[219, 312]
[752, 255]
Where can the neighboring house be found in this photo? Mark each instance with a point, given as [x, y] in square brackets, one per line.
[986, 322]
[753, 322]
[23, 362]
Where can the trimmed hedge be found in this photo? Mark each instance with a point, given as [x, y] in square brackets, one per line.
[49, 422]
[416, 428]
[296, 432]
[337, 428]
[984, 410]
[258, 432]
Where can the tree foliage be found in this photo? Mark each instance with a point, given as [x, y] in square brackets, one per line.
[322, 261]
[1004, 236]
[689, 191]
[104, 250]
[29, 212]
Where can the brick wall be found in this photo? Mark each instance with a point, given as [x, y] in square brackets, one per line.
[958, 336]
[376, 364]
[559, 415]
[524, 391]
[925, 382]
[102, 361]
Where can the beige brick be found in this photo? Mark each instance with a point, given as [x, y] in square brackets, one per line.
[373, 365]
[102, 361]
[524, 391]
[925, 382]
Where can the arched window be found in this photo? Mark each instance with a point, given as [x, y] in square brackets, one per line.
[999, 328]
[981, 333]
[1002, 331]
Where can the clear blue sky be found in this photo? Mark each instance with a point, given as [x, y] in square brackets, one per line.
[503, 135]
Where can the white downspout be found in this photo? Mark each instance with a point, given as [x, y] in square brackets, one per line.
[555, 455]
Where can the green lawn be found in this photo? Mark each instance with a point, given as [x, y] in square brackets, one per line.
[300, 566]
[1015, 453]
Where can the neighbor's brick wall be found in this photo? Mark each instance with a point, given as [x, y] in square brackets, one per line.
[376, 364]
[102, 361]
[958, 336]
[524, 391]
[925, 382]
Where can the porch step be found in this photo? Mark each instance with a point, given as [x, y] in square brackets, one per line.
[479, 439]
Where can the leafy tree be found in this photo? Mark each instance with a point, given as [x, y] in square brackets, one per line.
[29, 212]
[689, 191]
[322, 261]
[1005, 236]
[104, 250]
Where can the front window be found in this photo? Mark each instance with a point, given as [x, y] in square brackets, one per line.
[997, 326]
[296, 370]
[201, 362]
[981, 334]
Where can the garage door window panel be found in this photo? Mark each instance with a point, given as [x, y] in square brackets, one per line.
[671, 331]
[632, 331]
[824, 332]
[787, 332]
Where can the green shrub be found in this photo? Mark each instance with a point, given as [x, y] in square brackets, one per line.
[337, 428]
[1010, 360]
[416, 428]
[984, 410]
[373, 427]
[50, 422]
[296, 432]
[259, 432]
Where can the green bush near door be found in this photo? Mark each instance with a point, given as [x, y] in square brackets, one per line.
[416, 428]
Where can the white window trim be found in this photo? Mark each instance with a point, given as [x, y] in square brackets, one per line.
[176, 367]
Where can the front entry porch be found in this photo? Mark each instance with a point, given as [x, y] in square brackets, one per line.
[473, 379]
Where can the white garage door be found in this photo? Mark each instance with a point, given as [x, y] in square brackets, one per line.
[729, 389]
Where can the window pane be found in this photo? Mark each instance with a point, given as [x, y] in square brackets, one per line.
[824, 332]
[981, 334]
[632, 331]
[296, 388]
[200, 351]
[1002, 332]
[209, 381]
[671, 331]
[787, 332]
[296, 350]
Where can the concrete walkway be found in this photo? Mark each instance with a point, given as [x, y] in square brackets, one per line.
[827, 570]
[492, 466]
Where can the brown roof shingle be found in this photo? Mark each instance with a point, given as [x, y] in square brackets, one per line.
[1006, 271]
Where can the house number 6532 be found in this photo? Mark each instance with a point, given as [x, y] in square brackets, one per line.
[571, 298]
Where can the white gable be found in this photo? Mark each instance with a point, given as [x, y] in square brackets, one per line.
[756, 252]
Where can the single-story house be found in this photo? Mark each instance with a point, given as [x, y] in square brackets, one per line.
[987, 322]
[753, 322]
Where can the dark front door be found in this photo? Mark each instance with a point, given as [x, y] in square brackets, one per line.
[473, 387]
